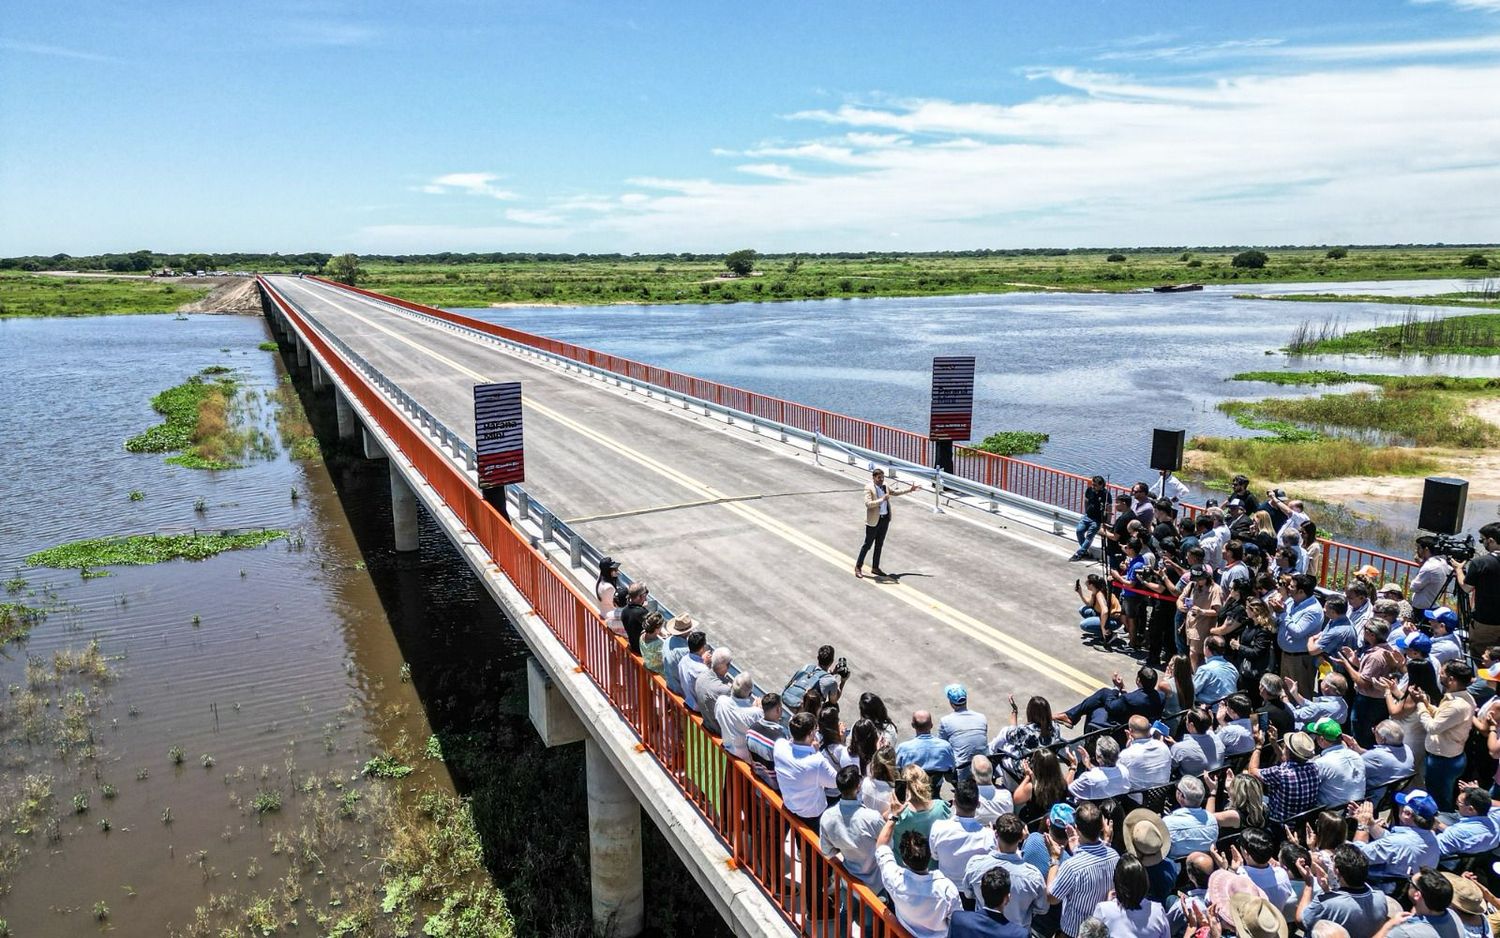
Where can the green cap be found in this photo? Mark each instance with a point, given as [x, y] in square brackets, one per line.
[1326, 728]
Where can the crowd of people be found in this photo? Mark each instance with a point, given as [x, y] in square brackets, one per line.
[1287, 758]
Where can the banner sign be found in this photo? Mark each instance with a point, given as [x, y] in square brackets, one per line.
[497, 434]
[952, 398]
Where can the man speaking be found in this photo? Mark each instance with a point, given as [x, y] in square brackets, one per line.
[877, 520]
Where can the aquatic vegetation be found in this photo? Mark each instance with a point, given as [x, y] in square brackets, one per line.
[175, 755]
[142, 549]
[81, 803]
[1013, 442]
[1269, 461]
[15, 584]
[136, 495]
[200, 505]
[101, 911]
[104, 824]
[434, 748]
[269, 347]
[17, 620]
[386, 767]
[207, 761]
[266, 800]
[1421, 417]
[292, 425]
[108, 791]
[179, 405]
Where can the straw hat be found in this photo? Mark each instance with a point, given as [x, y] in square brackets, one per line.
[1224, 886]
[1146, 836]
[681, 625]
[1301, 746]
[1255, 917]
[1466, 896]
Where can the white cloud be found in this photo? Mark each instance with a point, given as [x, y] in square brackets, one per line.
[768, 170]
[310, 32]
[468, 183]
[528, 216]
[59, 52]
[1143, 51]
[1486, 6]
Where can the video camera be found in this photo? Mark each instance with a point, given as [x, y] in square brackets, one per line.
[1451, 545]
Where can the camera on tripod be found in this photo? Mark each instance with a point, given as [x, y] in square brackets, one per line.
[1451, 545]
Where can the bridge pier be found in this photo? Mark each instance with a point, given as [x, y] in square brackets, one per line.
[614, 847]
[372, 448]
[319, 380]
[345, 415]
[403, 512]
[303, 358]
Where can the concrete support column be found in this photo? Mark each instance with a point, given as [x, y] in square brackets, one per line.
[345, 414]
[303, 358]
[403, 512]
[614, 848]
[372, 448]
[317, 377]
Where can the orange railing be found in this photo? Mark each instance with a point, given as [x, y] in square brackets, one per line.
[1039, 483]
[781, 854]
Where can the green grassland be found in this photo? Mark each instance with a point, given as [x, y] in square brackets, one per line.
[593, 281]
[25, 294]
[1480, 299]
[1475, 334]
[1412, 419]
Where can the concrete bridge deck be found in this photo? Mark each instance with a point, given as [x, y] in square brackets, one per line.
[752, 537]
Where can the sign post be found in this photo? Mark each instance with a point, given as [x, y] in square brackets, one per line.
[952, 416]
[498, 441]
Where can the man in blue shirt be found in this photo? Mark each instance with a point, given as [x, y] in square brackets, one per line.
[1298, 624]
[1112, 706]
[678, 631]
[1329, 704]
[1215, 678]
[989, 920]
[1028, 890]
[1397, 853]
[1341, 772]
[1444, 623]
[1235, 735]
[1192, 828]
[1474, 831]
[1361, 910]
[1338, 633]
[933, 755]
[1389, 760]
[965, 730]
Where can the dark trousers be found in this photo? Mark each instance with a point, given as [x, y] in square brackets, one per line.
[1160, 640]
[874, 534]
[1093, 706]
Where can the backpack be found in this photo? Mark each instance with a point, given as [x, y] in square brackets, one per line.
[804, 680]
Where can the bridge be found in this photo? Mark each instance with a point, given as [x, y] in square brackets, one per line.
[744, 510]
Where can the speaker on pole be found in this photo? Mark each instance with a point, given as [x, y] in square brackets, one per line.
[1166, 449]
[1443, 504]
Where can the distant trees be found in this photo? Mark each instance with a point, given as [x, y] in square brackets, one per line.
[1252, 260]
[1115, 258]
[794, 264]
[1475, 260]
[1186, 256]
[740, 263]
[1337, 254]
[344, 269]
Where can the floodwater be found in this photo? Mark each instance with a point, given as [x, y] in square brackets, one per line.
[288, 664]
[1096, 371]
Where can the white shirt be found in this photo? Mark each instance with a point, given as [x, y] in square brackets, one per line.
[924, 902]
[688, 670]
[1100, 782]
[1147, 763]
[735, 716]
[957, 840]
[1427, 585]
[993, 802]
[1173, 489]
[803, 773]
[849, 829]
[1276, 884]
[885, 504]
[875, 794]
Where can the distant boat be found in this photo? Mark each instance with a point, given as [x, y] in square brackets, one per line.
[1177, 288]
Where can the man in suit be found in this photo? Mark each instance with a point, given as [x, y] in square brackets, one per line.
[877, 520]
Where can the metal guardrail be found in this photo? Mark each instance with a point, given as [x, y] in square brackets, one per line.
[814, 893]
[1055, 490]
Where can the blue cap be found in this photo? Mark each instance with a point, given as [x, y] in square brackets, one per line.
[1418, 642]
[958, 695]
[1444, 615]
[1061, 815]
[1419, 801]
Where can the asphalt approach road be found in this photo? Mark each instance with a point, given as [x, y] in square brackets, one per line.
[758, 542]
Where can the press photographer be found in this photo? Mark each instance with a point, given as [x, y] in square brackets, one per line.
[1427, 585]
[1480, 579]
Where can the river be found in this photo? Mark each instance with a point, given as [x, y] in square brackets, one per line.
[288, 666]
[1095, 371]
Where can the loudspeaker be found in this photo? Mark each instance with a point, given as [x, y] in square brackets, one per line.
[1166, 449]
[1443, 504]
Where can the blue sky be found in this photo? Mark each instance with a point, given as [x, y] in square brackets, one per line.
[569, 126]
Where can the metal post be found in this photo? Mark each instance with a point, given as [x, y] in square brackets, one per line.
[575, 551]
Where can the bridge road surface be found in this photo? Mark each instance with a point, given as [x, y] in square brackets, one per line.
[758, 542]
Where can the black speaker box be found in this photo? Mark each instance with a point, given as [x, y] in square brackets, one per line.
[1443, 504]
[1166, 449]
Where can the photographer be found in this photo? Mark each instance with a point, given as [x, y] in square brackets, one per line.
[1427, 585]
[1481, 579]
[828, 676]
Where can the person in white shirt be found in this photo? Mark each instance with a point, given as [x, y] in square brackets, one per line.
[735, 712]
[1255, 857]
[923, 899]
[1105, 780]
[1145, 760]
[958, 839]
[1028, 890]
[1169, 486]
[802, 772]
[993, 800]
[1427, 585]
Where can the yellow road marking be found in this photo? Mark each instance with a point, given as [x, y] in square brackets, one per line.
[960, 621]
